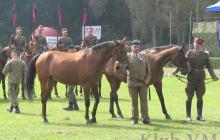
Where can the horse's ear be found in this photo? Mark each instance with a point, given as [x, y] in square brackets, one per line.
[115, 42]
[124, 39]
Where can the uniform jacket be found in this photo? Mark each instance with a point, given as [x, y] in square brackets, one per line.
[198, 60]
[15, 68]
[138, 70]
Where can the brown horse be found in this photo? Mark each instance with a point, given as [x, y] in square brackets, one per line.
[158, 57]
[4, 55]
[83, 67]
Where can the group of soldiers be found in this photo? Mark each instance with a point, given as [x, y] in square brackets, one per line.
[138, 69]
[16, 68]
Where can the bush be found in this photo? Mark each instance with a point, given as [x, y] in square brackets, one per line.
[215, 62]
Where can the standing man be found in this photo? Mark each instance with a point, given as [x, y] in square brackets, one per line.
[197, 59]
[18, 42]
[41, 40]
[65, 41]
[90, 40]
[16, 69]
[138, 77]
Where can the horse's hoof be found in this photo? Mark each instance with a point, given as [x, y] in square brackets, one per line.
[93, 120]
[23, 98]
[168, 117]
[121, 116]
[6, 98]
[88, 122]
[57, 96]
[114, 116]
[45, 121]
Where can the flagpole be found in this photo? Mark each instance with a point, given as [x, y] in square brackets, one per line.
[190, 29]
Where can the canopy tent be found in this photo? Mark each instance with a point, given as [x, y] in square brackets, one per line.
[214, 7]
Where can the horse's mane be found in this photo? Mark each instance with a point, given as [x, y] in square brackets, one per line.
[161, 48]
[103, 45]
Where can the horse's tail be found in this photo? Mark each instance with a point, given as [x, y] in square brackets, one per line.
[31, 74]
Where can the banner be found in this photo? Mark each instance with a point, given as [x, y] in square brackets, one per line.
[14, 15]
[34, 14]
[59, 15]
[97, 31]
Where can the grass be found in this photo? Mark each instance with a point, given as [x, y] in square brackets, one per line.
[65, 125]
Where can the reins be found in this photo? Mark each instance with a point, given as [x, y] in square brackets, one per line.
[180, 78]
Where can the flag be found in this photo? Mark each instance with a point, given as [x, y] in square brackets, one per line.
[84, 17]
[34, 13]
[14, 17]
[59, 15]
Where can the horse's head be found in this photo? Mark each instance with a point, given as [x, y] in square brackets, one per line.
[121, 54]
[5, 53]
[180, 60]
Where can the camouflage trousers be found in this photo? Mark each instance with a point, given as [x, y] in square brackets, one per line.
[13, 91]
[70, 94]
[134, 92]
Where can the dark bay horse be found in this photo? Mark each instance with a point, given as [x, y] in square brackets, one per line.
[4, 55]
[83, 67]
[158, 57]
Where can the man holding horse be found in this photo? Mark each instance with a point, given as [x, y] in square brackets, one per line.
[138, 77]
[65, 41]
[197, 60]
[18, 42]
[41, 40]
[16, 69]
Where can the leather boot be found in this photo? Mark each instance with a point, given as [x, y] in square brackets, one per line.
[70, 107]
[17, 110]
[199, 110]
[75, 105]
[188, 110]
[10, 109]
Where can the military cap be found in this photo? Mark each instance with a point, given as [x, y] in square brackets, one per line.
[18, 29]
[136, 42]
[64, 30]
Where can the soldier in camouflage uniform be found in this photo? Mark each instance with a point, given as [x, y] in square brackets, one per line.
[16, 69]
[138, 77]
[65, 41]
[90, 40]
[197, 60]
[18, 42]
[41, 41]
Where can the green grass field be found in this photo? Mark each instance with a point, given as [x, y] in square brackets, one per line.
[65, 125]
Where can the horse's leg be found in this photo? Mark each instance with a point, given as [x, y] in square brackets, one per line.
[3, 86]
[76, 91]
[158, 87]
[22, 88]
[87, 103]
[115, 98]
[46, 89]
[96, 96]
[111, 106]
[99, 88]
[80, 91]
[55, 89]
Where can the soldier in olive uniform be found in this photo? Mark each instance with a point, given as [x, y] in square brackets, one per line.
[197, 60]
[16, 69]
[65, 41]
[41, 41]
[90, 40]
[18, 42]
[138, 77]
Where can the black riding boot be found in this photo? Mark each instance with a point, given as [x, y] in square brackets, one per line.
[17, 110]
[75, 105]
[199, 110]
[10, 109]
[70, 107]
[188, 110]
